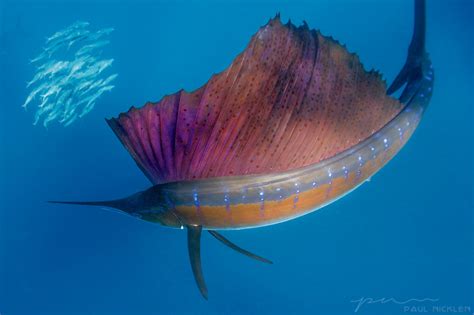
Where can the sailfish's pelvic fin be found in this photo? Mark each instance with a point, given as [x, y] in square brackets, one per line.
[239, 249]
[194, 249]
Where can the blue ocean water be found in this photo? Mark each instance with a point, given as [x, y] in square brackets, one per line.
[407, 234]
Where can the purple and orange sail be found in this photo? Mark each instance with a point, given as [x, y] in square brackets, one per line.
[293, 98]
[294, 123]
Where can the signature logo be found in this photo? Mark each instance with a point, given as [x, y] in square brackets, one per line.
[367, 300]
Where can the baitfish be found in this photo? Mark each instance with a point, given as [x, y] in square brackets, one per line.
[75, 40]
[109, 79]
[33, 93]
[94, 69]
[51, 70]
[69, 85]
[41, 56]
[292, 125]
[101, 33]
[70, 120]
[92, 99]
[67, 31]
[88, 48]
[55, 89]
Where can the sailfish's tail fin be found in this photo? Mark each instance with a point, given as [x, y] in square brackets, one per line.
[417, 73]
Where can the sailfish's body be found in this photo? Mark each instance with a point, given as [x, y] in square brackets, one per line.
[292, 125]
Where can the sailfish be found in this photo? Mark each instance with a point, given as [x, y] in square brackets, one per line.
[293, 124]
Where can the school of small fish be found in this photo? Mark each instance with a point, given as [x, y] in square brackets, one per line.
[70, 75]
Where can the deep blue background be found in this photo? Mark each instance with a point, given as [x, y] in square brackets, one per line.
[406, 234]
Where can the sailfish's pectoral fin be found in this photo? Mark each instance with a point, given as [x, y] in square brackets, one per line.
[237, 248]
[194, 249]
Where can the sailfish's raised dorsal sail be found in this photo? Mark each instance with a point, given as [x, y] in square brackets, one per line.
[291, 99]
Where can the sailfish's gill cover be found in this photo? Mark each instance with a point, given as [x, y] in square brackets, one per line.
[291, 99]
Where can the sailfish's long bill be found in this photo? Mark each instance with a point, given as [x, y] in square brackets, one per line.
[293, 124]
